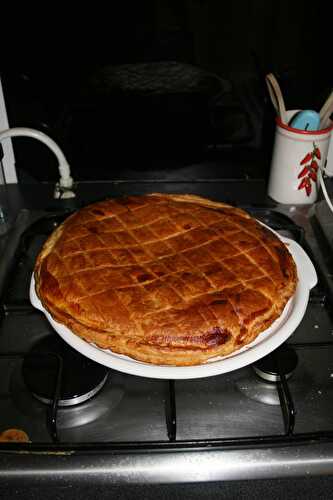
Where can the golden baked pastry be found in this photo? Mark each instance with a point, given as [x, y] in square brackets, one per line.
[165, 279]
[14, 436]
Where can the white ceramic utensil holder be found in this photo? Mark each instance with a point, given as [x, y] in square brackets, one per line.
[297, 156]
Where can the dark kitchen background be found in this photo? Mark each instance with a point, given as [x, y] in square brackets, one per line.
[160, 89]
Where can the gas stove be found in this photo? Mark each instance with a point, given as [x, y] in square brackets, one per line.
[272, 419]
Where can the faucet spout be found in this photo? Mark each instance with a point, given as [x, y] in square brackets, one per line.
[63, 188]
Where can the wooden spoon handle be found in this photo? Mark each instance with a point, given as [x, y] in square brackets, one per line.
[276, 96]
[326, 105]
[326, 111]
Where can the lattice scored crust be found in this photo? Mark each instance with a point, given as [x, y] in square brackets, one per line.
[165, 279]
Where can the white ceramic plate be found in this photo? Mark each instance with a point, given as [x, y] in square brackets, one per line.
[265, 343]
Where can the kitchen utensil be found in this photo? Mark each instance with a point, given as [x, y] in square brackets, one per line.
[326, 111]
[276, 96]
[305, 120]
[265, 343]
[4, 220]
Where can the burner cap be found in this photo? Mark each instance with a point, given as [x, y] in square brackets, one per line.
[282, 361]
[81, 377]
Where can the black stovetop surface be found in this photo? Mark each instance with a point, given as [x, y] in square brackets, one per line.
[132, 415]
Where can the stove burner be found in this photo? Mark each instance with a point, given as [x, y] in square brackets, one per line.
[282, 361]
[81, 377]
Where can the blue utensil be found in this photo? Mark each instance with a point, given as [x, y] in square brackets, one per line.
[305, 120]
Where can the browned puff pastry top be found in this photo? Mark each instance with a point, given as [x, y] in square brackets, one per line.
[165, 279]
[14, 435]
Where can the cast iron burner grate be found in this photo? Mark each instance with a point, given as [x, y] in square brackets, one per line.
[81, 378]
